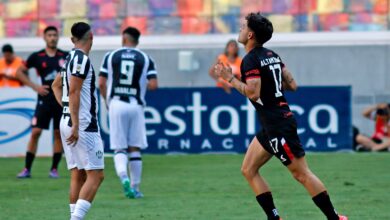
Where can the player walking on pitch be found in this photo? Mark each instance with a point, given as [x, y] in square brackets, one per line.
[263, 79]
[80, 134]
[125, 75]
[47, 63]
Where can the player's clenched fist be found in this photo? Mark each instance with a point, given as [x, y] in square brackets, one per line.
[224, 71]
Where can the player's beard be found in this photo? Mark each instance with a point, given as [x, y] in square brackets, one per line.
[52, 44]
[241, 41]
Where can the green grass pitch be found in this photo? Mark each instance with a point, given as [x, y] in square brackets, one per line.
[204, 187]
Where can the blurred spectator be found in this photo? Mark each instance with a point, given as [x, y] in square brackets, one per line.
[9, 64]
[230, 57]
[380, 140]
[21, 18]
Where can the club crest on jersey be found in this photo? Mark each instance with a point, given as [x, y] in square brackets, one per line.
[78, 67]
[61, 62]
[44, 64]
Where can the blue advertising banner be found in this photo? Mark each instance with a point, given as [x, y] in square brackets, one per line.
[205, 120]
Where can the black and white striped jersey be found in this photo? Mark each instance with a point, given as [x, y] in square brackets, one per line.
[127, 71]
[77, 64]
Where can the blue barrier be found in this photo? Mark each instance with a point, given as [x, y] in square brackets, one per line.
[204, 120]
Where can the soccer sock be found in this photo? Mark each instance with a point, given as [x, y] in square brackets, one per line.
[323, 202]
[72, 207]
[56, 160]
[29, 160]
[266, 201]
[135, 169]
[81, 209]
[121, 161]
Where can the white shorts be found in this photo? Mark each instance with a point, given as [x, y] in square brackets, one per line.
[127, 125]
[87, 154]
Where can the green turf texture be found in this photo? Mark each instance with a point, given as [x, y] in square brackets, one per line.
[204, 187]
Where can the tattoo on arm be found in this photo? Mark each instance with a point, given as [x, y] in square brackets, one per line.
[241, 88]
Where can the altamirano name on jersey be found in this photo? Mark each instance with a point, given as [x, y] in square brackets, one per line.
[78, 64]
[127, 70]
[272, 107]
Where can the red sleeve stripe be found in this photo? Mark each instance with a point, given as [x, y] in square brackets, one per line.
[253, 77]
[254, 71]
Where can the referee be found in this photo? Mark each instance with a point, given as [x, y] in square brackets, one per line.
[47, 63]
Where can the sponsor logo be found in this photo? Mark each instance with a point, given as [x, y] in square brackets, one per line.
[128, 56]
[51, 76]
[10, 111]
[99, 154]
[197, 120]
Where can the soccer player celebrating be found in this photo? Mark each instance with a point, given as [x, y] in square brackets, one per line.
[263, 80]
[79, 127]
[125, 75]
[47, 63]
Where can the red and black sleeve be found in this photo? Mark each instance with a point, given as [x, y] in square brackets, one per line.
[250, 68]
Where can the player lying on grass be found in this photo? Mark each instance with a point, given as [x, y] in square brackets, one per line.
[380, 139]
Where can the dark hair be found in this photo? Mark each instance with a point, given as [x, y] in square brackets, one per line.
[79, 29]
[7, 48]
[227, 45]
[50, 28]
[382, 112]
[261, 26]
[133, 32]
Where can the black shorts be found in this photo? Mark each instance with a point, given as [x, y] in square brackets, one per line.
[377, 140]
[283, 143]
[44, 112]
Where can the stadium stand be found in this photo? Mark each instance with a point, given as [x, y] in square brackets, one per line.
[28, 17]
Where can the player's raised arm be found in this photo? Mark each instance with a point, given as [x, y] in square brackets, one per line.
[212, 73]
[288, 81]
[57, 88]
[369, 112]
[250, 89]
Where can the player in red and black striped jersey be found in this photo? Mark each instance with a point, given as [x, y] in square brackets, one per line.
[264, 78]
[47, 62]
